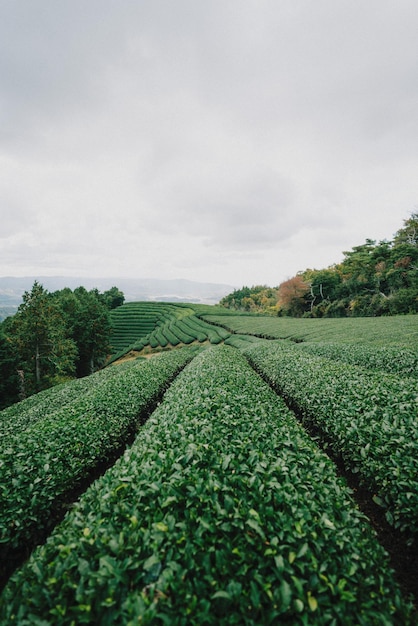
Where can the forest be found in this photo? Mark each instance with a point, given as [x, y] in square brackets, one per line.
[54, 337]
[373, 279]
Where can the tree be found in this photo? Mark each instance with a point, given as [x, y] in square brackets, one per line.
[52, 337]
[372, 279]
[9, 377]
[112, 298]
[323, 286]
[358, 267]
[409, 232]
[235, 299]
[257, 299]
[293, 296]
[87, 319]
[38, 335]
[90, 330]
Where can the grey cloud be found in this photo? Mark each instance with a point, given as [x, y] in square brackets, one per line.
[236, 129]
[54, 56]
[14, 218]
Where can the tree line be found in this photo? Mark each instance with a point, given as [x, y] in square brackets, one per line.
[375, 278]
[54, 337]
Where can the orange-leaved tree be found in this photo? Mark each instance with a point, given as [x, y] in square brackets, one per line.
[293, 296]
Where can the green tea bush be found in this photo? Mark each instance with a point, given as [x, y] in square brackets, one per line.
[223, 511]
[393, 359]
[40, 466]
[401, 330]
[22, 415]
[135, 320]
[368, 418]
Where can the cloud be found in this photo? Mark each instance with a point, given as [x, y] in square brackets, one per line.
[239, 141]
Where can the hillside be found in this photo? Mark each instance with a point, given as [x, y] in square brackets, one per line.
[223, 503]
[146, 326]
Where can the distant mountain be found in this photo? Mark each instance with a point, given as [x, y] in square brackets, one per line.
[135, 289]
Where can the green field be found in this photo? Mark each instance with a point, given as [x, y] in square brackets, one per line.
[223, 509]
[400, 330]
[139, 326]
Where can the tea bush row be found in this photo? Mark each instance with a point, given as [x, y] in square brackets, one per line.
[185, 330]
[141, 324]
[368, 418]
[22, 415]
[40, 466]
[393, 359]
[134, 320]
[223, 511]
[399, 330]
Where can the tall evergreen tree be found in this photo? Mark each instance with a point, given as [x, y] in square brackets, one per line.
[113, 298]
[38, 335]
[91, 330]
[9, 367]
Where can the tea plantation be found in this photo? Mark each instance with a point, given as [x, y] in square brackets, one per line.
[194, 485]
[157, 325]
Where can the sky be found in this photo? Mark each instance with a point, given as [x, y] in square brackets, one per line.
[227, 141]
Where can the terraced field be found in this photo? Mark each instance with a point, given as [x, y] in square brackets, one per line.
[144, 325]
[224, 508]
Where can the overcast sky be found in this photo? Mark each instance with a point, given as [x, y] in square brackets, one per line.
[234, 141]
